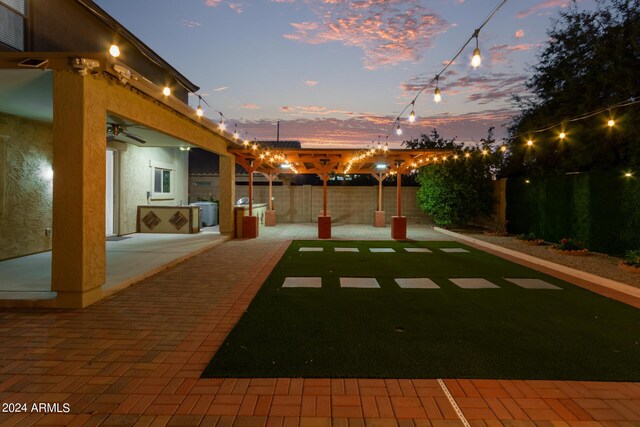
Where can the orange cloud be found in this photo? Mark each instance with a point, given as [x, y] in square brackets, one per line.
[250, 106]
[519, 33]
[310, 82]
[546, 4]
[388, 32]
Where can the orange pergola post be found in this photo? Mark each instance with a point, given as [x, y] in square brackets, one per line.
[399, 222]
[324, 220]
[270, 215]
[250, 222]
[379, 215]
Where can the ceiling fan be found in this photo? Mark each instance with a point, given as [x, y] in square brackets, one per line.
[116, 129]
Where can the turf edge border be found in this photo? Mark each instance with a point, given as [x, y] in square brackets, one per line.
[592, 278]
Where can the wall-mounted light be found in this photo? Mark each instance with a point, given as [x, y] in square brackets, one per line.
[114, 50]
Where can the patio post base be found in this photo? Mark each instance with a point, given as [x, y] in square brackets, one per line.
[324, 227]
[270, 218]
[249, 227]
[399, 227]
[379, 219]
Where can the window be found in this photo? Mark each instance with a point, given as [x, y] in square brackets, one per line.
[12, 23]
[162, 177]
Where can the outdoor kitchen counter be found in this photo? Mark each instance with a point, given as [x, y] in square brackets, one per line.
[168, 219]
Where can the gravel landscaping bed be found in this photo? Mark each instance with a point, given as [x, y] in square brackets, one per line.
[595, 263]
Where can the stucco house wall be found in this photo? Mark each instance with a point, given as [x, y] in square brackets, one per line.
[26, 186]
[136, 180]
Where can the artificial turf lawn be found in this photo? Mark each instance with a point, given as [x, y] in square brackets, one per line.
[509, 332]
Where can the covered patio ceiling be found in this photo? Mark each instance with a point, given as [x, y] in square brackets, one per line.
[337, 161]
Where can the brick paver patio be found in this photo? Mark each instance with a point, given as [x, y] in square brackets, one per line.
[135, 358]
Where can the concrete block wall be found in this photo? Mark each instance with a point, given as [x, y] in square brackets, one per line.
[347, 205]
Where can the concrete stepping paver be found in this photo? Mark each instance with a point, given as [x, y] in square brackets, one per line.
[453, 250]
[310, 249]
[473, 283]
[533, 284]
[302, 282]
[418, 250]
[358, 282]
[416, 283]
[347, 250]
[381, 250]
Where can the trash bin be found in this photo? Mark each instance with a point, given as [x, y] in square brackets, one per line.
[208, 213]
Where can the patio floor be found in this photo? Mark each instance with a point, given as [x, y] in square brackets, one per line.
[129, 259]
[135, 358]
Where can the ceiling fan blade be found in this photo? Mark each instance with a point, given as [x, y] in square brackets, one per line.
[134, 137]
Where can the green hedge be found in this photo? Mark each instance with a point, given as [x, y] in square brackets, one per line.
[601, 208]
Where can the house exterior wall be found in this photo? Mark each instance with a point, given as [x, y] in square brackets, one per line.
[26, 152]
[303, 204]
[136, 180]
[67, 26]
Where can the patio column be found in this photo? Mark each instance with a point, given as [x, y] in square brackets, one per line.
[250, 223]
[78, 264]
[227, 194]
[270, 214]
[324, 220]
[399, 222]
[379, 215]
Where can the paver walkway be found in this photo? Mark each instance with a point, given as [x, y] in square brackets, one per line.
[135, 358]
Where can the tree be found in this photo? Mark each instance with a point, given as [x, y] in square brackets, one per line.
[433, 140]
[454, 192]
[590, 62]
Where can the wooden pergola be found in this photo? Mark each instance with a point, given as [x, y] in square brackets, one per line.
[379, 163]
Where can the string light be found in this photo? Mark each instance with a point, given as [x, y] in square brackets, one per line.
[628, 174]
[398, 129]
[235, 133]
[199, 111]
[529, 143]
[222, 125]
[476, 60]
[503, 148]
[562, 135]
[412, 116]
[437, 96]
[114, 50]
[166, 91]
[611, 123]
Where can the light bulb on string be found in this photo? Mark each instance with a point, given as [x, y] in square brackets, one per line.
[437, 96]
[199, 111]
[398, 129]
[235, 133]
[529, 143]
[166, 91]
[222, 125]
[611, 123]
[476, 60]
[412, 115]
[386, 147]
[562, 135]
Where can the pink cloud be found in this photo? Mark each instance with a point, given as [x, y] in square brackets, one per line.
[236, 7]
[520, 34]
[546, 4]
[251, 106]
[310, 82]
[359, 130]
[499, 53]
[190, 24]
[483, 89]
[388, 32]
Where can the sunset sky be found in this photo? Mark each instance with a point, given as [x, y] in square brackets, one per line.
[338, 73]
